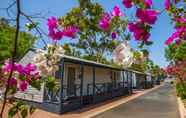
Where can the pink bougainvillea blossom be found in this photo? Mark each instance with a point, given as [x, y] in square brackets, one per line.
[167, 4]
[105, 21]
[169, 41]
[127, 3]
[13, 82]
[7, 66]
[70, 31]
[54, 32]
[21, 75]
[57, 33]
[179, 33]
[19, 68]
[23, 85]
[177, 70]
[178, 41]
[116, 12]
[29, 68]
[114, 35]
[181, 20]
[139, 31]
[148, 16]
[52, 23]
[148, 3]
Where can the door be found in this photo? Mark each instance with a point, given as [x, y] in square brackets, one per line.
[71, 89]
[113, 79]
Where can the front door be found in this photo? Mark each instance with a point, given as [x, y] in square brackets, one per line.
[113, 79]
[71, 82]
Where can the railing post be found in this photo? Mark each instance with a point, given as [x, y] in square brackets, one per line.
[94, 81]
[123, 79]
[123, 82]
[145, 81]
[131, 82]
[61, 70]
[128, 81]
[81, 89]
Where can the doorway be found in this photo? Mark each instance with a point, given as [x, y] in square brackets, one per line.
[71, 87]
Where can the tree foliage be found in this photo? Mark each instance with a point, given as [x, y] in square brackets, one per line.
[176, 52]
[7, 33]
[93, 42]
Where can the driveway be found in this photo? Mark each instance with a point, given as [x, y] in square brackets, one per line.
[160, 103]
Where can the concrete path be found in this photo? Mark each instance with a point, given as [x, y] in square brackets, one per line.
[160, 103]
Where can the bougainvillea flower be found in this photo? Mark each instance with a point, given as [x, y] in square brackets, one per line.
[70, 31]
[7, 66]
[19, 68]
[139, 31]
[54, 32]
[105, 21]
[52, 23]
[181, 20]
[148, 3]
[13, 82]
[169, 41]
[167, 4]
[123, 55]
[23, 85]
[177, 69]
[178, 41]
[148, 16]
[127, 3]
[55, 35]
[29, 68]
[178, 34]
[114, 35]
[116, 11]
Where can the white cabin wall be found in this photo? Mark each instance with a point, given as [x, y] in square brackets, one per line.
[134, 81]
[88, 78]
[102, 75]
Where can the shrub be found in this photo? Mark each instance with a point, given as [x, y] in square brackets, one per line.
[181, 90]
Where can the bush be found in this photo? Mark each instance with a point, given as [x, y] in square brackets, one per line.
[181, 90]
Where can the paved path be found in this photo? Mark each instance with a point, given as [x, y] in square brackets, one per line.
[160, 103]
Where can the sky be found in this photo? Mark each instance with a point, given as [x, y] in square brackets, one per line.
[160, 31]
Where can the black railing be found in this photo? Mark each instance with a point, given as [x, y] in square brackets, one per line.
[53, 96]
[101, 88]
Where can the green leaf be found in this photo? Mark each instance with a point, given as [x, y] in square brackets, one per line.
[141, 44]
[32, 110]
[50, 83]
[24, 113]
[30, 26]
[12, 112]
[148, 43]
[36, 84]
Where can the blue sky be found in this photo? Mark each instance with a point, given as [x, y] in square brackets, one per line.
[160, 32]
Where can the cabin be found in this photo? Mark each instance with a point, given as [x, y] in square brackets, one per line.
[82, 82]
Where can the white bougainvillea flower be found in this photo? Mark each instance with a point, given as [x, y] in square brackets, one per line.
[123, 55]
[47, 61]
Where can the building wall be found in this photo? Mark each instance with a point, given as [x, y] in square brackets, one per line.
[134, 81]
[102, 75]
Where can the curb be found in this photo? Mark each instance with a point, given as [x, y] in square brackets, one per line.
[181, 108]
